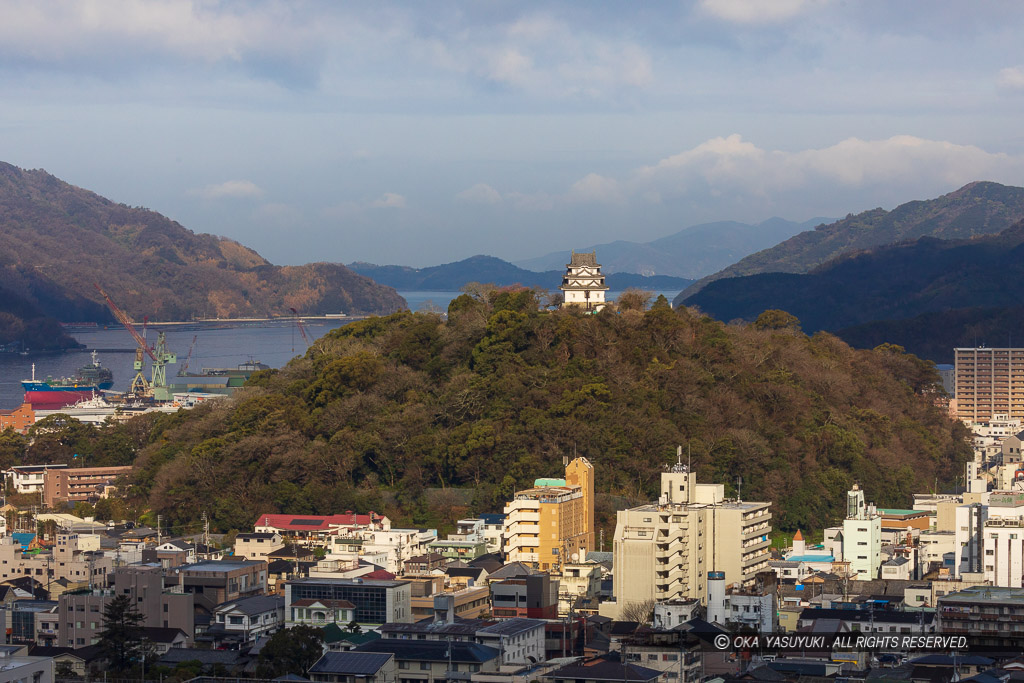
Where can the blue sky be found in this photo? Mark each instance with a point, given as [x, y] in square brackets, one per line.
[426, 132]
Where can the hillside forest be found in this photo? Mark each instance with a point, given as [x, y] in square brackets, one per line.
[427, 419]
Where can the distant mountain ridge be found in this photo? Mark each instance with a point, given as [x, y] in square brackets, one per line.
[56, 240]
[691, 253]
[488, 269]
[978, 208]
[909, 291]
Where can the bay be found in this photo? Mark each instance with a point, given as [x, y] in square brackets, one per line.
[221, 345]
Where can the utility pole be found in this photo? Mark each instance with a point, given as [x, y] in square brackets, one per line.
[159, 523]
[206, 534]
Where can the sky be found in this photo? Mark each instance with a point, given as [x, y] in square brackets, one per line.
[421, 133]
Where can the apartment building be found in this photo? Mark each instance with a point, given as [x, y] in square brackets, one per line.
[79, 484]
[862, 537]
[988, 615]
[216, 582]
[664, 550]
[989, 382]
[80, 614]
[1002, 541]
[553, 522]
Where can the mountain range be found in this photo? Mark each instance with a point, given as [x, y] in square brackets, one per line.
[488, 269]
[902, 293]
[57, 240]
[979, 208]
[690, 253]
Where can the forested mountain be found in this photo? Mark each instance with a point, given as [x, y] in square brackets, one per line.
[692, 252]
[394, 414]
[893, 283]
[980, 208]
[56, 240]
[488, 269]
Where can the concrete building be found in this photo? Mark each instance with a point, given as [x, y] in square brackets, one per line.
[257, 546]
[1003, 539]
[862, 536]
[664, 550]
[989, 382]
[19, 419]
[534, 596]
[373, 602]
[29, 478]
[553, 522]
[494, 531]
[80, 614]
[22, 668]
[80, 484]
[583, 285]
[213, 583]
[74, 558]
[988, 615]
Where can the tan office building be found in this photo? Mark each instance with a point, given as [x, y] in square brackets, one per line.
[553, 522]
[989, 382]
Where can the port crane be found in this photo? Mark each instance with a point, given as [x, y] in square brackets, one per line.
[184, 366]
[159, 355]
[302, 328]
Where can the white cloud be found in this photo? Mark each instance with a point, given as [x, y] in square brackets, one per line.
[594, 188]
[388, 200]
[230, 189]
[733, 165]
[481, 193]
[730, 169]
[1011, 78]
[756, 11]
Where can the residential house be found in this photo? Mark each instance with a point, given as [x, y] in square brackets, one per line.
[354, 667]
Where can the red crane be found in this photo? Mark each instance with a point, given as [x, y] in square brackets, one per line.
[302, 329]
[184, 366]
[122, 318]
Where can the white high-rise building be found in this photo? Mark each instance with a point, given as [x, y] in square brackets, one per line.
[862, 536]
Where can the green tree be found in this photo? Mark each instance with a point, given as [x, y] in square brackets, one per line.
[122, 641]
[290, 651]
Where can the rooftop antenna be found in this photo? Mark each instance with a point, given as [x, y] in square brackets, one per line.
[739, 489]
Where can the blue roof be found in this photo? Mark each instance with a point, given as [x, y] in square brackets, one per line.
[492, 517]
[23, 538]
[810, 558]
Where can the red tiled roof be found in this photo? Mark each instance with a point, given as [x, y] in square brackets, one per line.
[315, 522]
[379, 574]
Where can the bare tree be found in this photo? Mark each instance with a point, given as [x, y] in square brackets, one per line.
[640, 612]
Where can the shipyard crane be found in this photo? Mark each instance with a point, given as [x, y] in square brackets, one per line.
[160, 355]
[184, 367]
[302, 328]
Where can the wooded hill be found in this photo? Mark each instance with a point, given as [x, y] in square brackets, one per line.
[56, 240]
[979, 208]
[403, 414]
